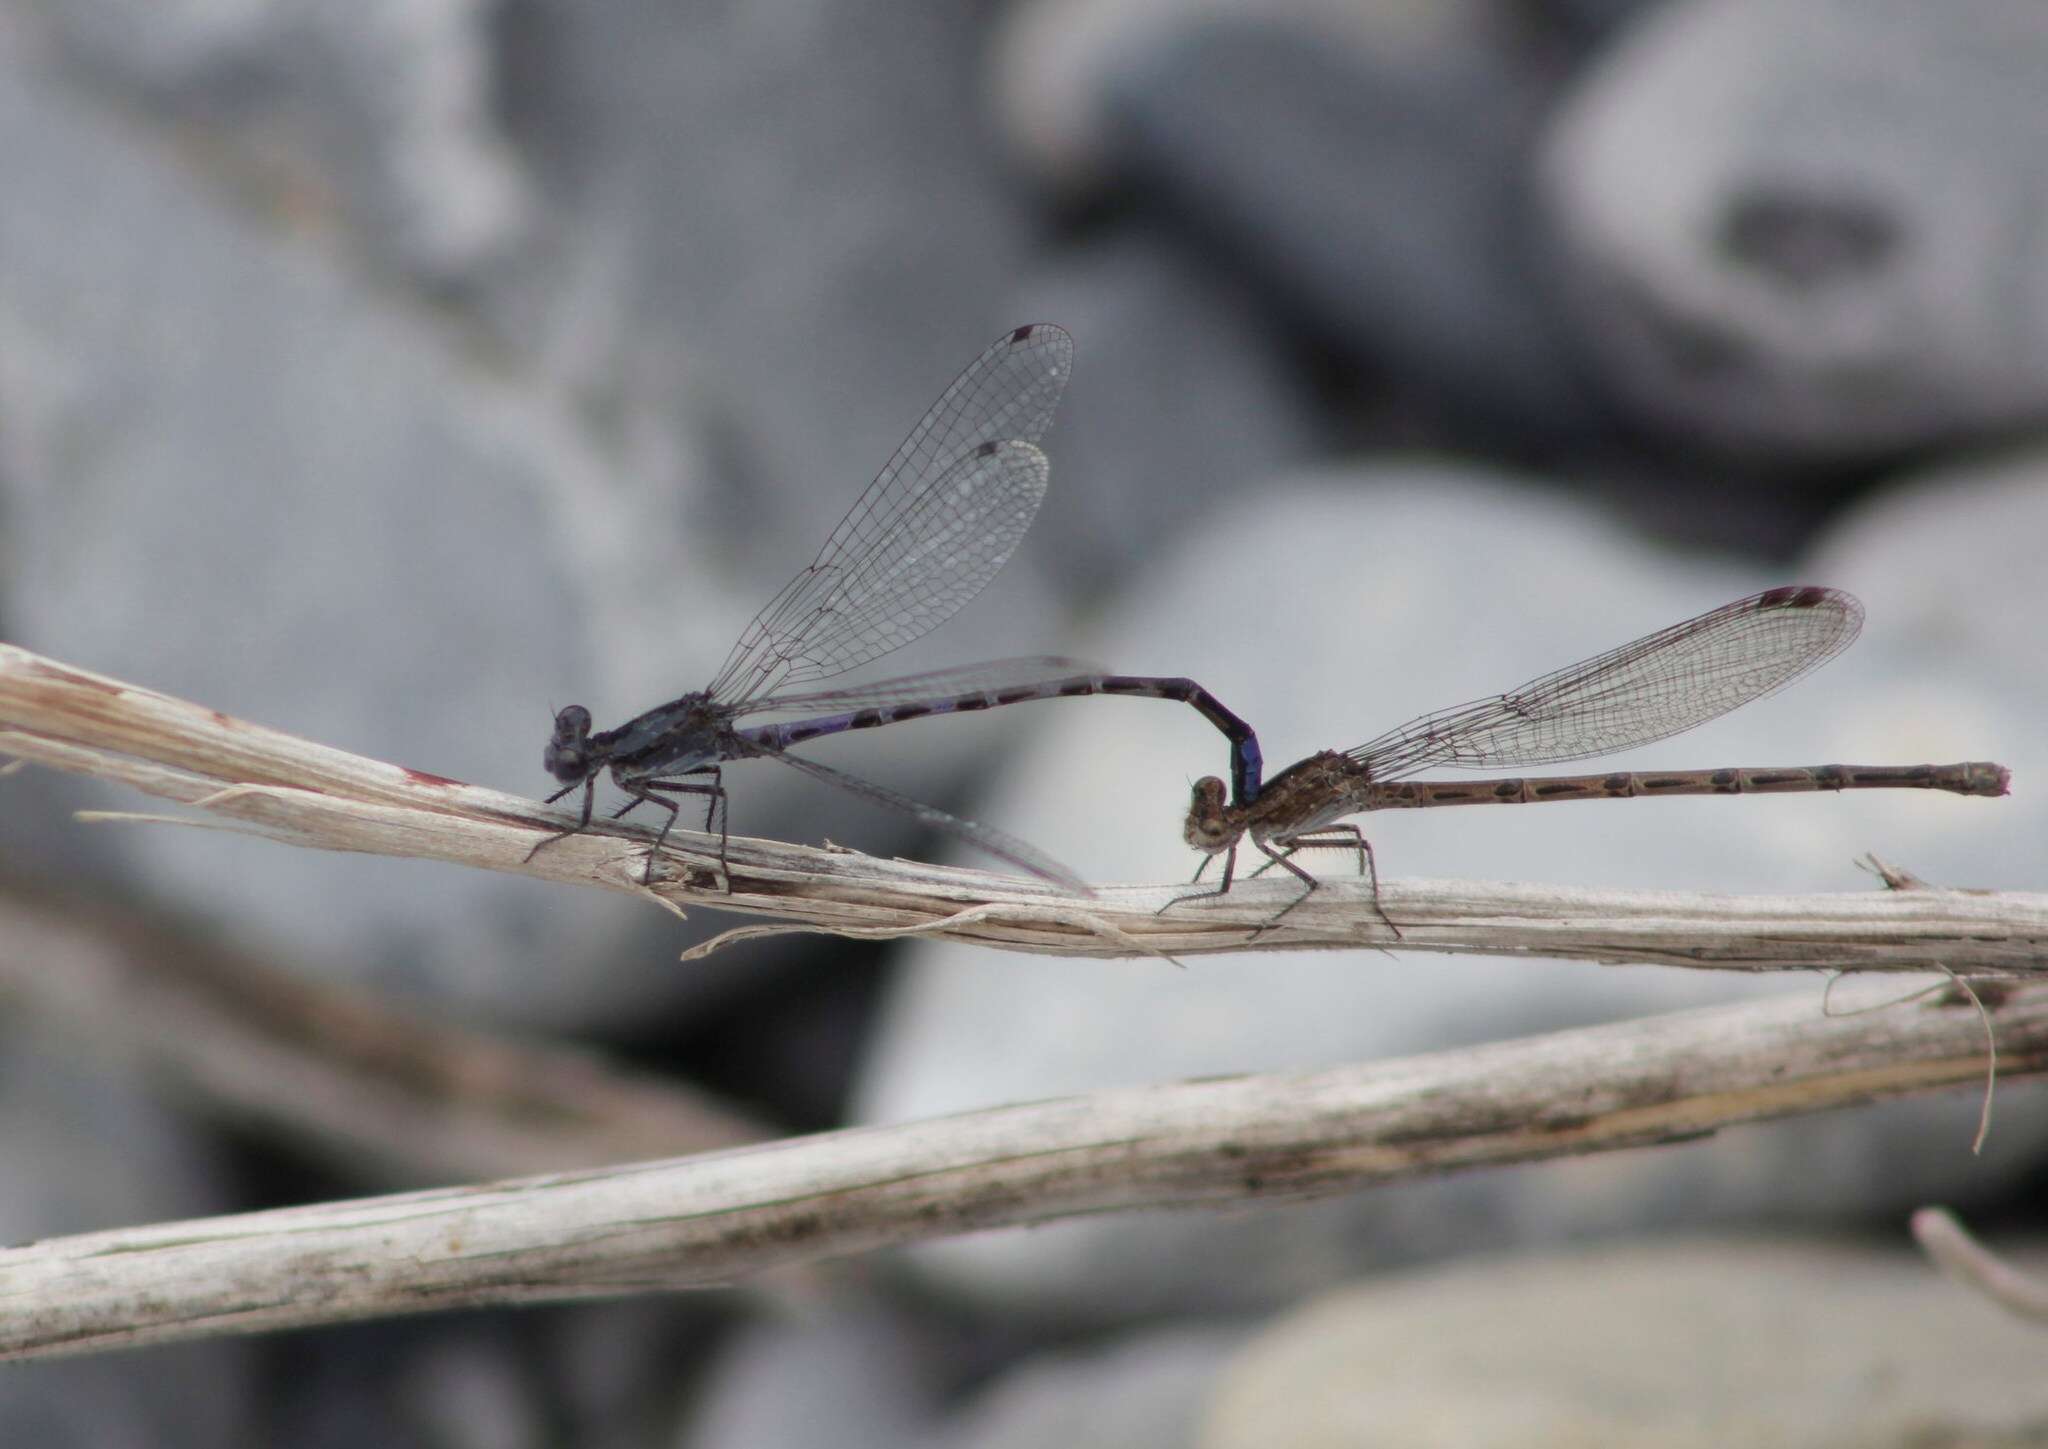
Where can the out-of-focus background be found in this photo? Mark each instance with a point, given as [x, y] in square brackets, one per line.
[393, 373]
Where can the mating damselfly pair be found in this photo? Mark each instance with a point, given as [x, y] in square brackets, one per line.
[948, 510]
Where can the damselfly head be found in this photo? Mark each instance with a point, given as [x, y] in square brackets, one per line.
[1207, 829]
[568, 756]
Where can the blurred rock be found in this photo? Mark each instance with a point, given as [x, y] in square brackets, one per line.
[1955, 548]
[448, 1382]
[1146, 1392]
[770, 189]
[1363, 599]
[1662, 1346]
[1378, 198]
[1183, 394]
[1054, 61]
[1803, 226]
[619, 1369]
[161, 47]
[595, 1375]
[1951, 551]
[1586, 21]
[87, 1148]
[859, 1376]
[387, 107]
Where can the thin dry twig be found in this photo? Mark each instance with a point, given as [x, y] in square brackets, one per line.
[1963, 988]
[289, 789]
[714, 1219]
[1962, 1257]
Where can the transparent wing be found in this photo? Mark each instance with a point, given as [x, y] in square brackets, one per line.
[938, 522]
[983, 837]
[946, 543]
[1658, 686]
[995, 677]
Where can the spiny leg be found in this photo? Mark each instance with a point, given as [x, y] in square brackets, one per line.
[589, 792]
[642, 795]
[714, 808]
[1334, 837]
[1351, 838]
[1280, 858]
[712, 790]
[1229, 871]
[718, 806]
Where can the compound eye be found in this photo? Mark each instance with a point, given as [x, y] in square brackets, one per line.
[571, 723]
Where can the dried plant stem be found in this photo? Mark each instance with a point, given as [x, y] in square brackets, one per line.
[273, 784]
[1962, 1257]
[726, 1216]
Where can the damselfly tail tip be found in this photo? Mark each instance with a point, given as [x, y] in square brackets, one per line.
[1986, 778]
